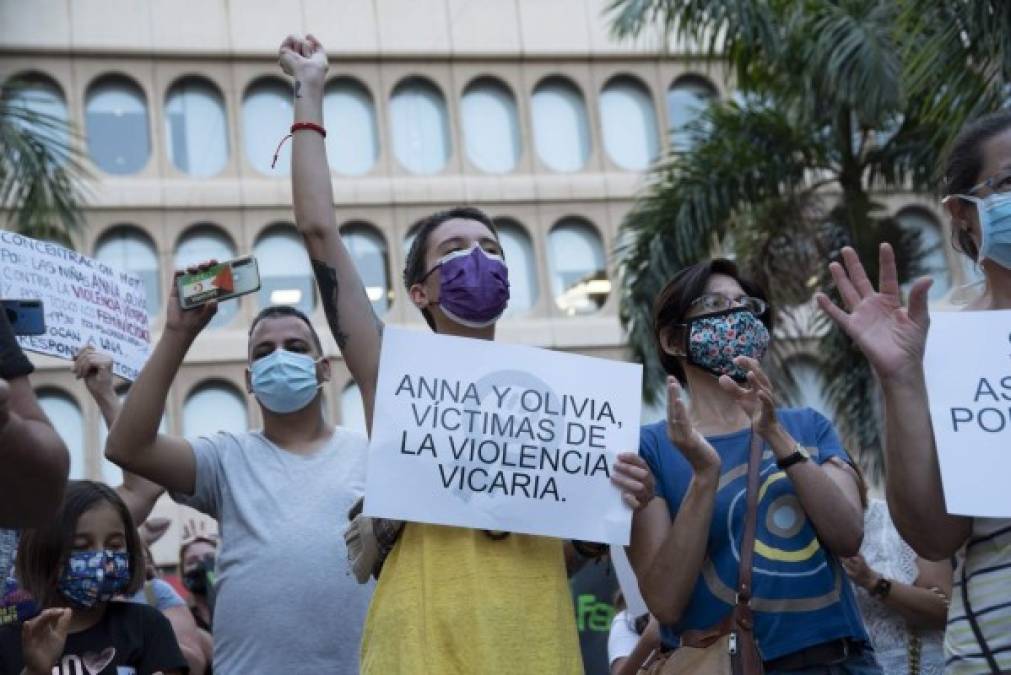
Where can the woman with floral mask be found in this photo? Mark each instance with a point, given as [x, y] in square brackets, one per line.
[74, 567]
[449, 600]
[893, 338]
[712, 329]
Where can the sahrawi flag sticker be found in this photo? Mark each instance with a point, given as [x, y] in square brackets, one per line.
[209, 285]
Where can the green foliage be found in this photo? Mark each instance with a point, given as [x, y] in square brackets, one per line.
[41, 177]
[839, 100]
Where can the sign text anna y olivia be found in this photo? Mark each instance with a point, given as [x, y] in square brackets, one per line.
[494, 436]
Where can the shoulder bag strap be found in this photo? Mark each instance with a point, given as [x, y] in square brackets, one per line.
[969, 614]
[750, 521]
[743, 619]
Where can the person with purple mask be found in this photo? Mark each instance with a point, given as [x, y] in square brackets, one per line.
[448, 600]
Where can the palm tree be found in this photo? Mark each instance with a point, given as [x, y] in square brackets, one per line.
[41, 177]
[786, 174]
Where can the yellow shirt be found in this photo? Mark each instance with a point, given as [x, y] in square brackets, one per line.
[452, 600]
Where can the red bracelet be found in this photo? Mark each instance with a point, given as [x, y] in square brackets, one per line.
[297, 126]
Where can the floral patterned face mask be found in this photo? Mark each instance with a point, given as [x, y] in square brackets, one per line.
[715, 340]
[94, 576]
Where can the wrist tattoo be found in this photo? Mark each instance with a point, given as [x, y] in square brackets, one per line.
[298, 88]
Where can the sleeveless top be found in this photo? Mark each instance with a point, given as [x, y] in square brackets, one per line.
[888, 555]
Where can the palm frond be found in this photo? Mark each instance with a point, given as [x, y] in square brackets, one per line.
[42, 180]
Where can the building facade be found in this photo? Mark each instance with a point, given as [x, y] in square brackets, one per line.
[524, 108]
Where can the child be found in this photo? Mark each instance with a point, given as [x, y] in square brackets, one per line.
[73, 567]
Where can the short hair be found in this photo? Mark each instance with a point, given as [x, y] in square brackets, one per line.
[965, 161]
[414, 267]
[674, 301]
[275, 311]
[43, 552]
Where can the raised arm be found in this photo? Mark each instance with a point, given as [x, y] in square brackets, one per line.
[667, 556]
[134, 442]
[95, 369]
[354, 324]
[34, 458]
[894, 340]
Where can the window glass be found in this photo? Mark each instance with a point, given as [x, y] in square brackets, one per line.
[115, 121]
[214, 407]
[285, 273]
[368, 249]
[196, 127]
[686, 100]
[490, 126]
[561, 129]
[578, 267]
[420, 126]
[629, 122]
[519, 256]
[128, 248]
[266, 116]
[348, 109]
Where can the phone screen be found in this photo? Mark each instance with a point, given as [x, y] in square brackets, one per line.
[215, 282]
[26, 317]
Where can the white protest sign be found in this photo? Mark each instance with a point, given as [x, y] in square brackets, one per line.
[968, 370]
[85, 301]
[628, 583]
[480, 434]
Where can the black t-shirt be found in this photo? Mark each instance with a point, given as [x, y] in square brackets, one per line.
[13, 362]
[130, 639]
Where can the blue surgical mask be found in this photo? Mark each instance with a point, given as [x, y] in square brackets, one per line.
[94, 576]
[995, 225]
[284, 381]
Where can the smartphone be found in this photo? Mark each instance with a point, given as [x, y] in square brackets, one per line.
[219, 282]
[27, 317]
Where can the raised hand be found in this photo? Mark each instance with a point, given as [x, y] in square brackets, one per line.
[43, 639]
[685, 437]
[303, 59]
[756, 399]
[633, 476]
[892, 337]
[188, 322]
[95, 369]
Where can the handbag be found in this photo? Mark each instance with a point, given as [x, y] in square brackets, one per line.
[728, 647]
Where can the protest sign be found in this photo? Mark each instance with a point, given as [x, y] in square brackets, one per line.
[628, 582]
[968, 371]
[86, 302]
[480, 434]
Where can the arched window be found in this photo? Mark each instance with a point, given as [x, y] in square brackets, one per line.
[212, 407]
[41, 96]
[810, 384]
[931, 249]
[111, 473]
[200, 244]
[285, 273]
[266, 114]
[687, 98]
[368, 249]
[352, 409]
[519, 256]
[629, 122]
[491, 130]
[66, 417]
[348, 109]
[561, 128]
[128, 248]
[196, 127]
[578, 267]
[115, 121]
[420, 126]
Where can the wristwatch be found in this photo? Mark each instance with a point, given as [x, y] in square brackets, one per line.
[881, 589]
[799, 454]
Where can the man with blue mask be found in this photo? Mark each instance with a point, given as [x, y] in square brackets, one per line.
[282, 604]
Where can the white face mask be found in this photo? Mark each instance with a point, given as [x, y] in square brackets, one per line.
[283, 381]
[994, 213]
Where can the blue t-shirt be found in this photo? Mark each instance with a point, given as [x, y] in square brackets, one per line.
[165, 597]
[801, 595]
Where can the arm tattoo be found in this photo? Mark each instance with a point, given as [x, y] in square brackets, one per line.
[298, 88]
[326, 279]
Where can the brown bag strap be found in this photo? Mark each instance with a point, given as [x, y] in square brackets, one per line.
[750, 521]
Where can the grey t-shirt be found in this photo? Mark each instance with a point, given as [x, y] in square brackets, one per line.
[286, 599]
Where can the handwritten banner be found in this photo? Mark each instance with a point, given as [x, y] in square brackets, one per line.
[86, 302]
[480, 434]
[968, 371]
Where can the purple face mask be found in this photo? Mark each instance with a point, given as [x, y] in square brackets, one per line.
[474, 287]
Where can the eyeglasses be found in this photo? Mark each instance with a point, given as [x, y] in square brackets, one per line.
[718, 302]
[999, 182]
